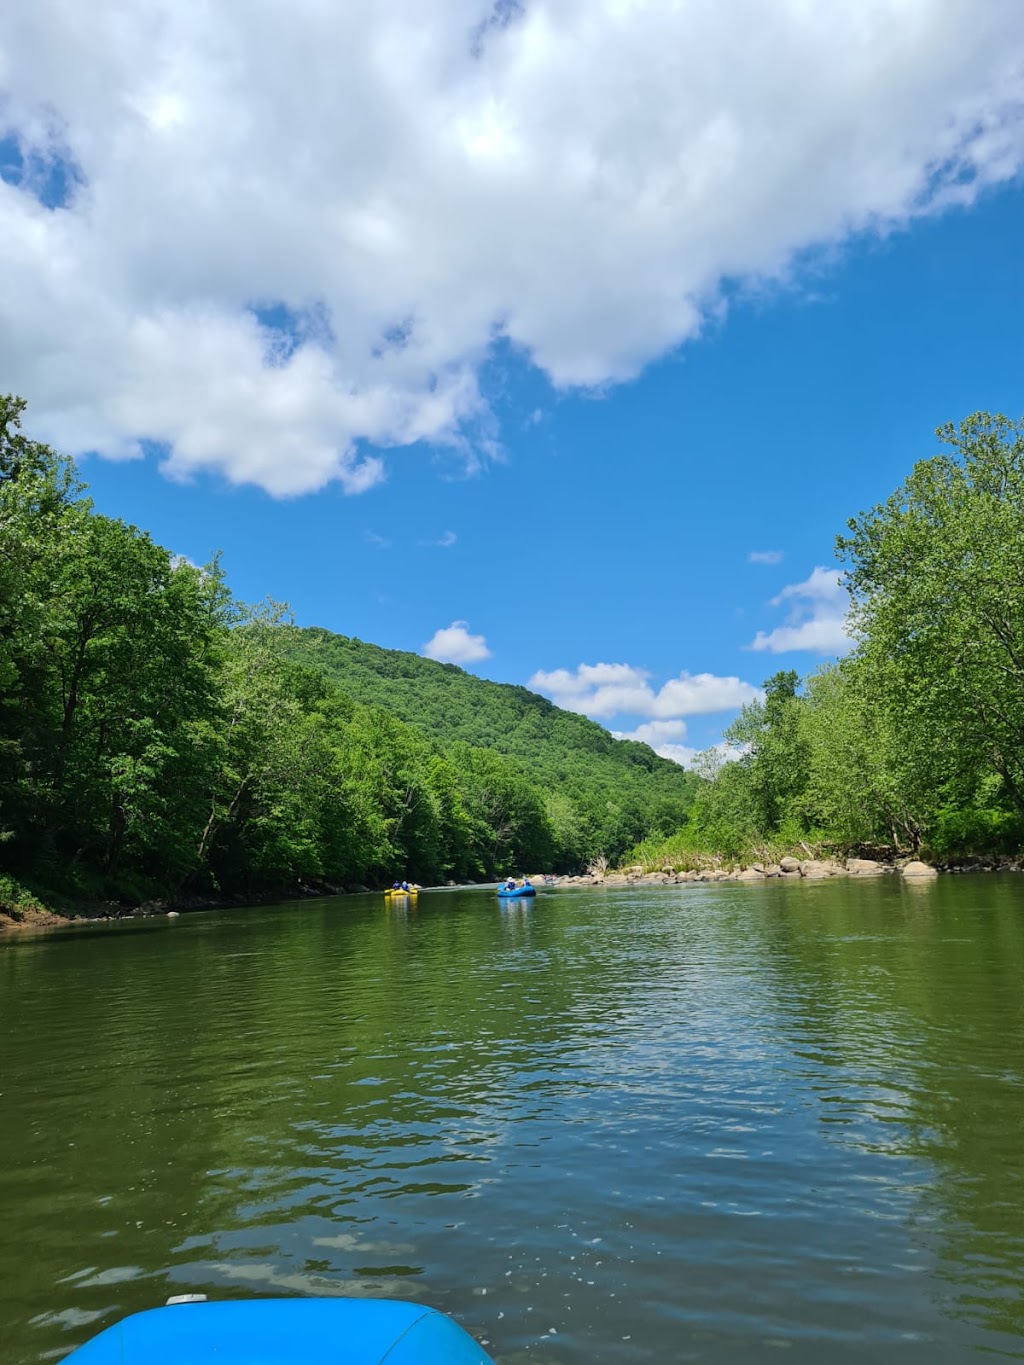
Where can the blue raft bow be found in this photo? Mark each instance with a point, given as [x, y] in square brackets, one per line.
[284, 1332]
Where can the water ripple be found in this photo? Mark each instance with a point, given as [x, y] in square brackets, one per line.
[705, 1125]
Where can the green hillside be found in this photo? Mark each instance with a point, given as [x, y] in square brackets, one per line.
[159, 738]
[604, 793]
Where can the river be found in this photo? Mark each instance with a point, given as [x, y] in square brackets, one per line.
[697, 1123]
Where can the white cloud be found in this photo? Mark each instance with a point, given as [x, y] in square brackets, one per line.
[664, 737]
[444, 542]
[381, 542]
[765, 557]
[817, 617]
[604, 690]
[676, 753]
[300, 229]
[455, 645]
[655, 732]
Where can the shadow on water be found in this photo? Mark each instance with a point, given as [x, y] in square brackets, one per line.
[707, 1124]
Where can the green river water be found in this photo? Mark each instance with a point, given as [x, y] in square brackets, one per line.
[710, 1124]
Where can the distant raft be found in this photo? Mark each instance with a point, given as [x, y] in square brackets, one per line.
[399, 895]
[518, 894]
[284, 1332]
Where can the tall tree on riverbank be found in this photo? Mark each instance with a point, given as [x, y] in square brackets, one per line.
[936, 575]
[111, 668]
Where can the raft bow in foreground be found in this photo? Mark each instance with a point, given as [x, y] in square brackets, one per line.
[284, 1332]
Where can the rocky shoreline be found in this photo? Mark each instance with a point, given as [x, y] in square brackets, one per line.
[786, 869]
[790, 869]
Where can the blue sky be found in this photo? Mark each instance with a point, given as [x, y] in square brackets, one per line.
[577, 448]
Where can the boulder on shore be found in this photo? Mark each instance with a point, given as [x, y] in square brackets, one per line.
[750, 874]
[789, 864]
[863, 867]
[919, 869]
[815, 869]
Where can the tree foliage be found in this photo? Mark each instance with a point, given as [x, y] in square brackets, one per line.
[156, 736]
[601, 794]
[916, 740]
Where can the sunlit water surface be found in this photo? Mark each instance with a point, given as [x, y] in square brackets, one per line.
[712, 1124]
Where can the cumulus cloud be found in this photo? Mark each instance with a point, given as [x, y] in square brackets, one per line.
[655, 732]
[677, 753]
[765, 557]
[604, 690]
[266, 237]
[818, 610]
[444, 542]
[454, 645]
[665, 736]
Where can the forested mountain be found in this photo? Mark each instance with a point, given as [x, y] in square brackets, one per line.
[606, 787]
[159, 738]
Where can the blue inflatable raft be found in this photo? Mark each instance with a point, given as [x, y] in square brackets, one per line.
[517, 894]
[284, 1332]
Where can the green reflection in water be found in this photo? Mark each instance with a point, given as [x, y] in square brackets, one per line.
[695, 1123]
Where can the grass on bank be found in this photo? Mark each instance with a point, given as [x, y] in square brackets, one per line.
[18, 903]
[686, 852]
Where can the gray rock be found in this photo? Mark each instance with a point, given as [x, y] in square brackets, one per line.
[919, 869]
[789, 864]
[815, 870]
[750, 874]
[863, 867]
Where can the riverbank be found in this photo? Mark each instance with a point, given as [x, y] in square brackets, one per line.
[789, 868]
[22, 909]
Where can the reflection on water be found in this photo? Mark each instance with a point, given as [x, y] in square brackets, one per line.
[701, 1123]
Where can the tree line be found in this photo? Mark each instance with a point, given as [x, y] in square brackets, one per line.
[914, 742]
[156, 737]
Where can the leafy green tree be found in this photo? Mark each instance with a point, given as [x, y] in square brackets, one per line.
[110, 663]
[511, 825]
[40, 511]
[937, 578]
[859, 785]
